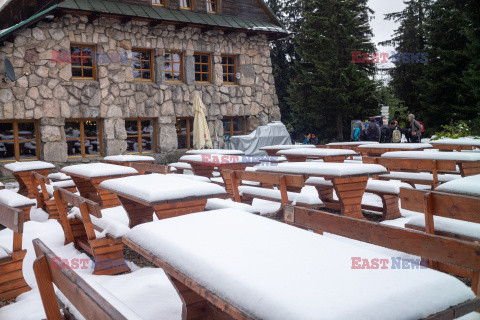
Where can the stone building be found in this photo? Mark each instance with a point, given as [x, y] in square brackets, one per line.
[114, 77]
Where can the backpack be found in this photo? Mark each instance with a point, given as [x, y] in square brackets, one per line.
[372, 132]
[422, 126]
[363, 136]
[396, 136]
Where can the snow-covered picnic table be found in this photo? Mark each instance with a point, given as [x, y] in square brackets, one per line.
[456, 144]
[272, 150]
[167, 195]
[22, 173]
[88, 176]
[376, 150]
[128, 159]
[217, 151]
[255, 268]
[348, 145]
[349, 180]
[327, 155]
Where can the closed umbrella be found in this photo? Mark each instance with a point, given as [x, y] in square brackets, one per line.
[201, 134]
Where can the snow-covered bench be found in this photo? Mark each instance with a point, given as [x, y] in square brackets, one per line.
[423, 178]
[17, 201]
[106, 249]
[2, 186]
[180, 167]
[144, 294]
[12, 282]
[388, 191]
[44, 189]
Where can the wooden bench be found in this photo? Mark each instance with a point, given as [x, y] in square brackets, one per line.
[17, 201]
[246, 194]
[12, 282]
[145, 168]
[43, 188]
[453, 253]
[93, 302]
[107, 252]
[384, 189]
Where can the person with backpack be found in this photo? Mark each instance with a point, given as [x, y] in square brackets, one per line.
[416, 129]
[313, 140]
[373, 131]
[356, 133]
[385, 132]
[396, 132]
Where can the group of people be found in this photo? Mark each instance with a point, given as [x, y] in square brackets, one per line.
[386, 132]
[310, 139]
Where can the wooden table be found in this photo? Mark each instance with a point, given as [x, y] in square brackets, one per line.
[166, 195]
[22, 173]
[272, 150]
[327, 155]
[127, 160]
[18, 201]
[226, 265]
[205, 164]
[87, 178]
[376, 150]
[349, 182]
[456, 144]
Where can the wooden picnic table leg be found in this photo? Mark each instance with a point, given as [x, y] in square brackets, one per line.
[22, 187]
[339, 159]
[202, 170]
[137, 212]
[84, 186]
[350, 192]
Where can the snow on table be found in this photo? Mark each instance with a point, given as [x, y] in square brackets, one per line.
[216, 204]
[99, 169]
[434, 155]
[61, 184]
[275, 194]
[28, 166]
[397, 146]
[3, 253]
[288, 146]
[302, 276]
[460, 142]
[58, 176]
[14, 199]
[350, 143]
[155, 188]
[320, 152]
[326, 169]
[468, 186]
[442, 224]
[216, 151]
[424, 176]
[392, 187]
[181, 165]
[128, 158]
[193, 177]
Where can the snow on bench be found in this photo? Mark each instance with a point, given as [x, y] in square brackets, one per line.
[14, 199]
[288, 146]
[320, 152]
[419, 176]
[216, 151]
[98, 169]
[397, 145]
[434, 155]
[129, 158]
[216, 204]
[327, 169]
[219, 180]
[28, 166]
[460, 142]
[60, 184]
[181, 165]
[373, 186]
[293, 197]
[4, 253]
[158, 187]
[58, 176]
[298, 277]
[468, 186]
[452, 226]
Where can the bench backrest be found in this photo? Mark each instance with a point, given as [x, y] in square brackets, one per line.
[143, 168]
[451, 251]
[416, 164]
[13, 219]
[86, 206]
[41, 181]
[281, 180]
[49, 270]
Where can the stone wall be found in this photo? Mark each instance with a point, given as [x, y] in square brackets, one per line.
[50, 95]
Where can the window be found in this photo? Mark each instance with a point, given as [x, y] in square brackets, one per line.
[142, 65]
[84, 137]
[229, 64]
[202, 67]
[211, 6]
[186, 4]
[18, 140]
[184, 128]
[233, 126]
[141, 135]
[83, 65]
[159, 2]
[173, 66]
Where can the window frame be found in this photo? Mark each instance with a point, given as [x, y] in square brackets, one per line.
[190, 8]
[16, 140]
[231, 131]
[188, 133]
[151, 65]
[172, 52]
[160, 3]
[227, 65]
[209, 73]
[82, 137]
[94, 64]
[139, 135]
[215, 2]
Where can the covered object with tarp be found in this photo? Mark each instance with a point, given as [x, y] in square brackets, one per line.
[274, 133]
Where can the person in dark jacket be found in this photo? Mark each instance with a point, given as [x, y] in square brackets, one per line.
[373, 131]
[313, 139]
[415, 129]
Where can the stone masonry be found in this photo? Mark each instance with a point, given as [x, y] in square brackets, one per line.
[49, 94]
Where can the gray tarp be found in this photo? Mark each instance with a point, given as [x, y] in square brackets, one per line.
[272, 134]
